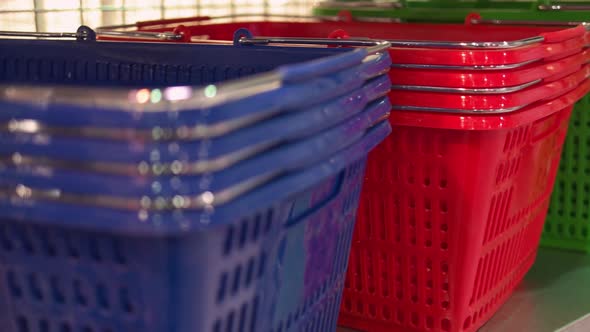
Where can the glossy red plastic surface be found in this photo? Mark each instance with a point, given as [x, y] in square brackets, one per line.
[466, 102]
[557, 41]
[546, 70]
[451, 218]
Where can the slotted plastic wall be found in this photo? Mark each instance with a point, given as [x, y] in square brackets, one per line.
[568, 220]
[449, 224]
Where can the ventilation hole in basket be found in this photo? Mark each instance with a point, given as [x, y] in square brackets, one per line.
[15, 289]
[94, 250]
[254, 315]
[572, 230]
[249, 272]
[222, 287]
[445, 324]
[429, 301]
[444, 207]
[429, 322]
[48, 247]
[445, 305]
[386, 312]
[25, 241]
[269, 218]
[429, 283]
[4, 239]
[78, 294]
[428, 243]
[372, 310]
[102, 297]
[72, 250]
[359, 307]
[256, 228]
[65, 327]
[229, 239]
[118, 254]
[347, 304]
[237, 279]
[444, 245]
[289, 321]
[35, 287]
[22, 324]
[548, 228]
[560, 229]
[467, 323]
[243, 234]
[125, 301]
[217, 326]
[443, 184]
[229, 327]
[415, 320]
[262, 265]
[399, 316]
[415, 298]
[427, 204]
[43, 325]
[243, 317]
[56, 290]
[445, 286]
[399, 294]
[585, 232]
[426, 182]
[444, 267]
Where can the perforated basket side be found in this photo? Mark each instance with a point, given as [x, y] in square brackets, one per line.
[568, 220]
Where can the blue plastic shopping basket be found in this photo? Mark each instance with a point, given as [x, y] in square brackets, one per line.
[272, 259]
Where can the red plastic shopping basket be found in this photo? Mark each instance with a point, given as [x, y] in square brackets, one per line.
[451, 215]
[453, 204]
[450, 55]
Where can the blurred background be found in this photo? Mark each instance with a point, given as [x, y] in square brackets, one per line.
[67, 15]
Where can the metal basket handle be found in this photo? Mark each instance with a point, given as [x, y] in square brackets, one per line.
[362, 4]
[343, 16]
[562, 7]
[83, 33]
[475, 18]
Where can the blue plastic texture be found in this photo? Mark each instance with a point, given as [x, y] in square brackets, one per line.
[286, 158]
[255, 138]
[300, 82]
[271, 260]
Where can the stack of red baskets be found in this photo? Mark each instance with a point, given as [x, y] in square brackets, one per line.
[455, 200]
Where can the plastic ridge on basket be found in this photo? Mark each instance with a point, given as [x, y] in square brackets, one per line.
[90, 178]
[222, 151]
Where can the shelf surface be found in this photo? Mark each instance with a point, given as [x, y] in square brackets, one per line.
[554, 296]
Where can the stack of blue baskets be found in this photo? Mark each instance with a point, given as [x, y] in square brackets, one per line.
[132, 201]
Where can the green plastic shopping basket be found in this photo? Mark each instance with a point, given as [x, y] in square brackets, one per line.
[456, 10]
[568, 220]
